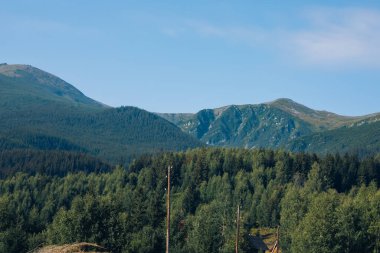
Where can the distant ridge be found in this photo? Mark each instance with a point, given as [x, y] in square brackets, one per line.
[282, 123]
[320, 119]
[41, 111]
[28, 81]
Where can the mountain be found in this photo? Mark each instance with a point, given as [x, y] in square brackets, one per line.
[282, 123]
[33, 86]
[362, 138]
[246, 126]
[41, 111]
[321, 120]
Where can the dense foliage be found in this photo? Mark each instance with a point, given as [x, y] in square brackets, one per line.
[243, 126]
[362, 139]
[48, 162]
[322, 204]
[41, 111]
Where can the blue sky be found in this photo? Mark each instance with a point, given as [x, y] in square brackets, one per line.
[183, 56]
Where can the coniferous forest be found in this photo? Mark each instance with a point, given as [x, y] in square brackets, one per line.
[328, 203]
[190, 126]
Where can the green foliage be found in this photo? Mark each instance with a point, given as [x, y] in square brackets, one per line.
[282, 124]
[54, 163]
[317, 205]
[207, 232]
[41, 111]
[293, 209]
[242, 126]
[318, 230]
[90, 219]
[330, 222]
[362, 138]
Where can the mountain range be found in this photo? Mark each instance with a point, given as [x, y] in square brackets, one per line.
[40, 111]
[282, 123]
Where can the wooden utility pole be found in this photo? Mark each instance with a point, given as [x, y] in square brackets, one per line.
[168, 211]
[276, 247]
[237, 230]
[278, 238]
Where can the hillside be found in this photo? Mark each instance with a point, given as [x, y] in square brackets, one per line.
[41, 111]
[321, 120]
[48, 162]
[244, 126]
[33, 86]
[279, 124]
[359, 138]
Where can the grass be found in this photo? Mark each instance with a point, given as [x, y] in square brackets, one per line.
[72, 248]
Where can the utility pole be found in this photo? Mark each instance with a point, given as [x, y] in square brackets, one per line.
[168, 211]
[276, 247]
[237, 230]
[278, 238]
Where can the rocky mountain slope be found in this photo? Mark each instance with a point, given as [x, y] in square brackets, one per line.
[279, 124]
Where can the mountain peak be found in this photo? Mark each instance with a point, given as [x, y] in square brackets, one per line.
[35, 82]
[289, 103]
[39, 110]
[12, 69]
[320, 119]
[23, 70]
[283, 100]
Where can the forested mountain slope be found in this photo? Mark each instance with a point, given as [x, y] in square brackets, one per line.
[362, 138]
[280, 124]
[48, 162]
[242, 126]
[41, 111]
[24, 85]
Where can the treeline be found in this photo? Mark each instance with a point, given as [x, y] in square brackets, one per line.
[116, 135]
[48, 162]
[18, 140]
[322, 204]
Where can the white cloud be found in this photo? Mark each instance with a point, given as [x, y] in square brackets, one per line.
[249, 35]
[322, 37]
[339, 37]
[246, 35]
[44, 27]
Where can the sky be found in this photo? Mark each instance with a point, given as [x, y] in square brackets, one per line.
[184, 56]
